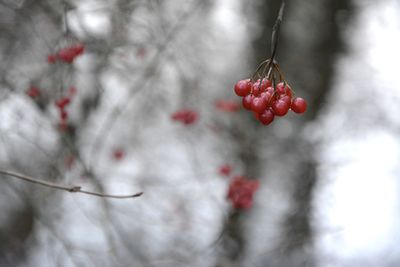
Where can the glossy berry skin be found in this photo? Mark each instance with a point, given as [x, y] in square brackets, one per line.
[282, 89]
[246, 101]
[243, 87]
[280, 107]
[299, 105]
[266, 117]
[287, 99]
[267, 98]
[270, 90]
[266, 83]
[258, 104]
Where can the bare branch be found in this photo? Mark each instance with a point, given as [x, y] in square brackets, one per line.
[71, 189]
[275, 31]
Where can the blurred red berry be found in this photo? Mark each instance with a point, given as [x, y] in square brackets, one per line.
[33, 92]
[186, 116]
[118, 154]
[227, 105]
[51, 58]
[63, 114]
[241, 191]
[62, 102]
[225, 170]
[68, 54]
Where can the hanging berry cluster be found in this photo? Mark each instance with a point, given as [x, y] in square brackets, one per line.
[67, 54]
[241, 191]
[268, 96]
[62, 104]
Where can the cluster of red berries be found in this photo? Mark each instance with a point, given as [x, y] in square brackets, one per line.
[62, 104]
[185, 116]
[241, 191]
[268, 101]
[67, 54]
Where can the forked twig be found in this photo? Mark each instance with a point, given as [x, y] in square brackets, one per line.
[71, 189]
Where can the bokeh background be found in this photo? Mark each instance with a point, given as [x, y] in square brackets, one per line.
[329, 179]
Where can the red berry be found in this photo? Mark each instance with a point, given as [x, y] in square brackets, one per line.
[266, 117]
[243, 87]
[258, 104]
[33, 92]
[241, 191]
[78, 49]
[247, 100]
[68, 54]
[299, 105]
[266, 83]
[51, 58]
[286, 98]
[280, 88]
[186, 116]
[62, 102]
[267, 98]
[225, 170]
[255, 90]
[63, 114]
[118, 154]
[227, 105]
[280, 107]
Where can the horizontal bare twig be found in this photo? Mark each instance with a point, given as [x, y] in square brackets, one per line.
[71, 189]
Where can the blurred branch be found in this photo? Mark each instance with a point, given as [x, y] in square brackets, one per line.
[71, 189]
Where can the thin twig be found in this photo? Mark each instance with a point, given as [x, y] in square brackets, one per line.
[71, 189]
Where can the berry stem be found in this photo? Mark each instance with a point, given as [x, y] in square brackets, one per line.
[264, 63]
[275, 32]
